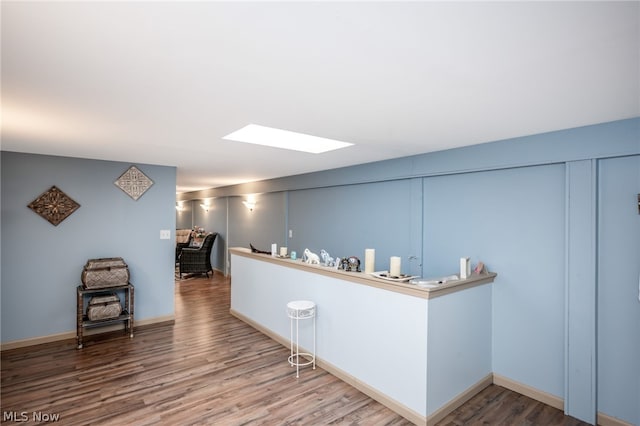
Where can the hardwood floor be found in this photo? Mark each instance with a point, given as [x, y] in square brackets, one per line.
[208, 368]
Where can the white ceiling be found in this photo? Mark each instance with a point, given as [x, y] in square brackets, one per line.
[163, 82]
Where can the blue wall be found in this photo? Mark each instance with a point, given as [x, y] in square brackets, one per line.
[42, 263]
[555, 215]
[236, 225]
[347, 220]
[513, 221]
[618, 292]
[262, 226]
[184, 217]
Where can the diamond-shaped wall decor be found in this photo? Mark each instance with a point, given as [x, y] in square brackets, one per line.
[134, 182]
[54, 205]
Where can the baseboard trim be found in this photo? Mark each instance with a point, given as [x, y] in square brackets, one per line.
[385, 400]
[15, 344]
[157, 321]
[529, 391]
[552, 400]
[606, 420]
[456, 402]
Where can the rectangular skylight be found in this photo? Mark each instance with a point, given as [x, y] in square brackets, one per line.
[261, 135]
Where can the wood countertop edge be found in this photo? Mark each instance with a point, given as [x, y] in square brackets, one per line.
[361, 278]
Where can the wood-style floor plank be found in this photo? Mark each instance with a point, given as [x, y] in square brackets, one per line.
[209, 368]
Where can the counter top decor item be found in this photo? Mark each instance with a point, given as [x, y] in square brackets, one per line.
[433, 282]
[311, 257]
[54, 206]
[369, 261]
[255, 250]
[350, 264]
[385, 275]
[327, 260]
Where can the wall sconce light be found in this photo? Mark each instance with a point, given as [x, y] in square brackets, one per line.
[179, 207]
[249, 204]
[205, 207]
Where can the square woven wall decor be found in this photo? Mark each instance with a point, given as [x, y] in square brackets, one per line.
[134, 182]
[54, 205]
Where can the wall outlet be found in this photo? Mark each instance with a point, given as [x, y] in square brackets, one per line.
[165, 234]
[290, 233]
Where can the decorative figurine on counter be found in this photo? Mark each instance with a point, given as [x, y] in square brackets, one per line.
[255, 250]
[351, 264]
[480, 269]
[327, 260]
[310, 257]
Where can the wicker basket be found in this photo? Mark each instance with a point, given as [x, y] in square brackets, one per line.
[105, 272]
[104, 307]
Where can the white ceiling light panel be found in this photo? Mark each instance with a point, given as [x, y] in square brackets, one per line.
[277, 138]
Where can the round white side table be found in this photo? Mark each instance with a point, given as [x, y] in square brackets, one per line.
[301, 310]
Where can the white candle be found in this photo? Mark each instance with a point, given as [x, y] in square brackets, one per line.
[465, 268]
[394, 266]
[283, 251]
[369, 261]
[274, 249]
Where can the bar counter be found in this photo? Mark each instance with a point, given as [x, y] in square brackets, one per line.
[419, 351]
